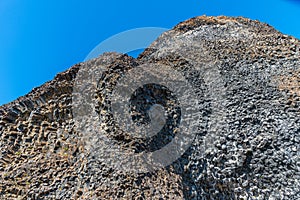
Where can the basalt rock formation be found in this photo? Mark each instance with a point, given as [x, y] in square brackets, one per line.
[248, 78]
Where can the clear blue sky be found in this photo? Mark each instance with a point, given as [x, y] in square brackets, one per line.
[38, 38]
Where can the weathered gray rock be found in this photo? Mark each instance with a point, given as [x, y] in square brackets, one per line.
[247, 79]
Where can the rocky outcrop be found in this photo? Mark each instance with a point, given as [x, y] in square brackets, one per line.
[246, 77]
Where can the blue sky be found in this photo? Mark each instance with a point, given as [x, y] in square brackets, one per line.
[38, 39]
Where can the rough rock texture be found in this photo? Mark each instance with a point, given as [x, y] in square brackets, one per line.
[248, 76]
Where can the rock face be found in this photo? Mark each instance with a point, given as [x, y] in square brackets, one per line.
[247, 78]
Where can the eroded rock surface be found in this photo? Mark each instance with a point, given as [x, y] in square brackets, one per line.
[246, 75]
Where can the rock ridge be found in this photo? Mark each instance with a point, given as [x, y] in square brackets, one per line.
[247, 78]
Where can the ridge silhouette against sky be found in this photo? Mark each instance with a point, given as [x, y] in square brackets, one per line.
[38, 39]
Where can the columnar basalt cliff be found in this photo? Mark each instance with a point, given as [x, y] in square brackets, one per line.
[247, 78]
